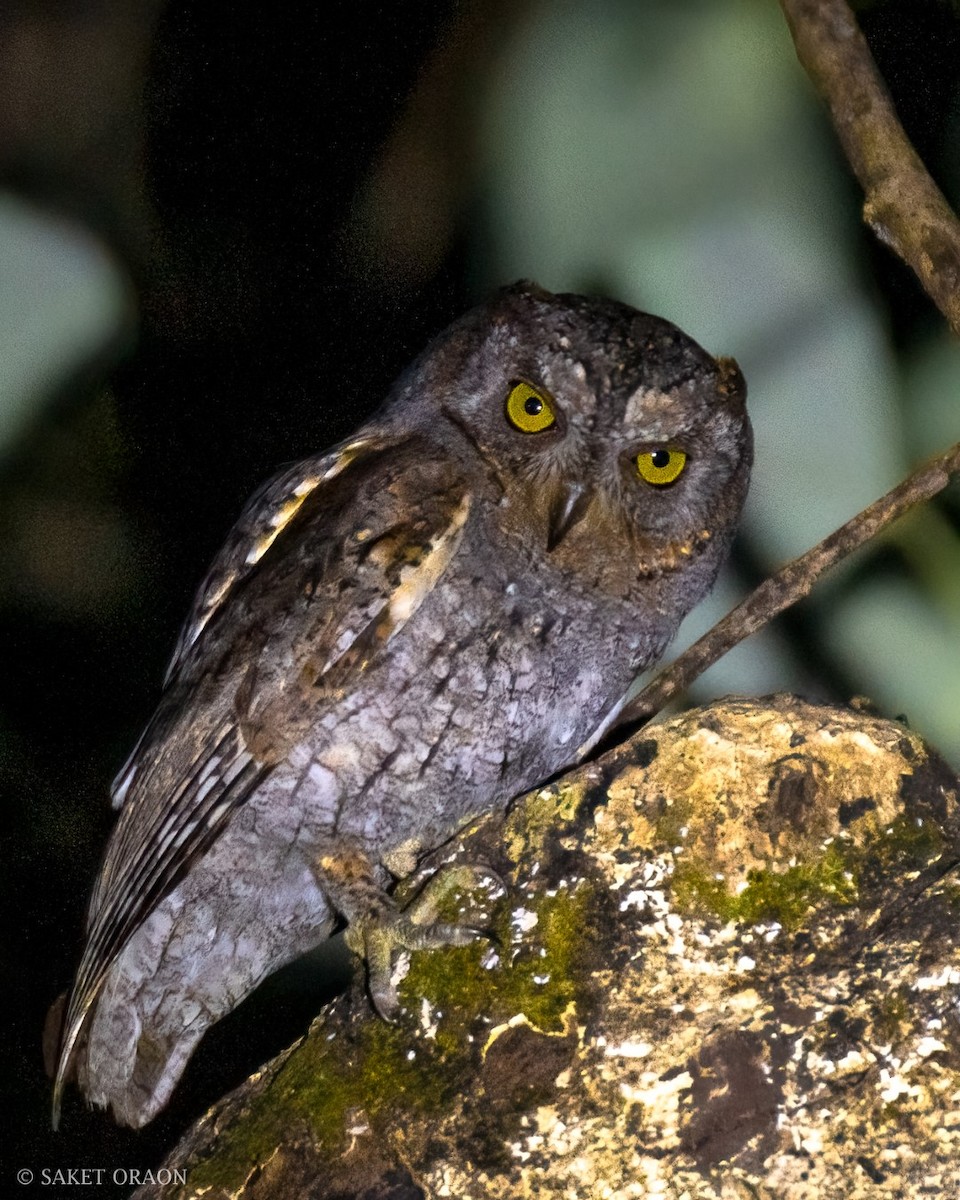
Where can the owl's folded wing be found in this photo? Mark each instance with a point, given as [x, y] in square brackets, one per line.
[266, 514]
[327, 562]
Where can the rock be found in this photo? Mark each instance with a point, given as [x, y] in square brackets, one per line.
[725, 968]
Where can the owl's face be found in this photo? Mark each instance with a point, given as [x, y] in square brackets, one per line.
[598, 425]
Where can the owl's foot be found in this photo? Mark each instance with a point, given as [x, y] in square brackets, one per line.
[378, 928]
[417, 927]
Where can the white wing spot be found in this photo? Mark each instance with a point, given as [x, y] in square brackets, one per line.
[344, 459]
[122, 785]
[288, 510]
[417, 582]
[282, 518]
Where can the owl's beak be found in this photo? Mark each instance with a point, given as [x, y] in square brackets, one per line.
[568, 508]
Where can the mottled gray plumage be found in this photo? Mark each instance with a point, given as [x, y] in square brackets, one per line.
[400, 633]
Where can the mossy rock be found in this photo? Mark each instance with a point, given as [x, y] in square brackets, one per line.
[725, 966]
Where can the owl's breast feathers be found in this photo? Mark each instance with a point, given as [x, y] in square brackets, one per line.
[328, 561]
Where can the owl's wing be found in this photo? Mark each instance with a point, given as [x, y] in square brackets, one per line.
[328, 561]
[265, 515]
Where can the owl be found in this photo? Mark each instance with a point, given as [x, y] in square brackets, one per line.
[400, 634]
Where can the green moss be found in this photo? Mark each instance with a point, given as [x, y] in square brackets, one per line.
[783, 896]
[457, 984]
[907, 843]
[562, 935]
[838, 877]
[318, 1086]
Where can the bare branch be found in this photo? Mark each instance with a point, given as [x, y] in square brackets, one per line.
[790, 584]
[903, 205]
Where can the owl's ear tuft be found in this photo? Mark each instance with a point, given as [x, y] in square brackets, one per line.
[527, 287]
[731, 382]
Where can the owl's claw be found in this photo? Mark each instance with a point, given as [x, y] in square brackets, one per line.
[386, 929]
[376, 943]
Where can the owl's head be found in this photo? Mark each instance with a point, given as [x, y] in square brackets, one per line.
[596, 424]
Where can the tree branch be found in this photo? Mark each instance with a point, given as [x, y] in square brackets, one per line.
[903, 206]
[790, 584]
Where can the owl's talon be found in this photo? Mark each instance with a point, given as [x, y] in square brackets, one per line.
[385, 929]
[377, 952]
[385, 1001]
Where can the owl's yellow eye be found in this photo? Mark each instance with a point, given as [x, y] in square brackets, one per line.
[661, 467]
[528, 409]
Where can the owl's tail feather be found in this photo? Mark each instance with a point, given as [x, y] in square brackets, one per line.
[56, 1067]
[69, 1040]
[144, 866]
[248, 907]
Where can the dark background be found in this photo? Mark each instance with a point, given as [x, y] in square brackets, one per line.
[225, 157]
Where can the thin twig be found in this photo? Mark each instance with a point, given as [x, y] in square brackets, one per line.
[790, 584]
[903, 205]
